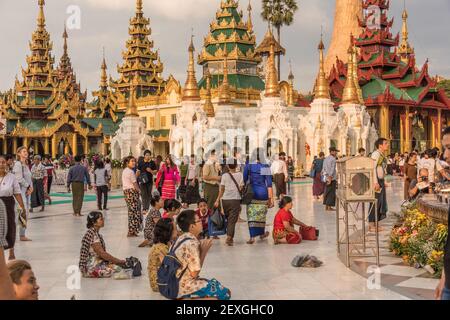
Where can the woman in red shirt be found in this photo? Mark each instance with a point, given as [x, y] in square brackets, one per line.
[283, 225]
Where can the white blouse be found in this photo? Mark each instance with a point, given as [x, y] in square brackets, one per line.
[128, 179]
[9, 186]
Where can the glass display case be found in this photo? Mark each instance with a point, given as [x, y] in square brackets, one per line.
[356, 179]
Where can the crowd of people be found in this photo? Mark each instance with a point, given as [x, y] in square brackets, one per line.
[159, 195]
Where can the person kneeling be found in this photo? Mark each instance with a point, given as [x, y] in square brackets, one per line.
[192, 253]
[95, 262]
[283, 225]
[164, 234]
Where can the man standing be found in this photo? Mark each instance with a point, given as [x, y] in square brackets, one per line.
[146, 169]
[48, 164]
[330, 175]
[280, 174]
[381, 147]
[78, 174]
[443, 289]
[211, 179]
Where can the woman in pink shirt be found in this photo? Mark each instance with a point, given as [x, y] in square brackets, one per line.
[168, 179]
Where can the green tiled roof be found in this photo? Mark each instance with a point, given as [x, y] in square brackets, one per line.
[34, 125]
[415, 92]
[109, 127]
[376, 87]
[239, 81]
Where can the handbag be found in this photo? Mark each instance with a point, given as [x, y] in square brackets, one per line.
[135, 265]
[217, 219]
[309, 233]
[217, 229]
[143, 178]
[160, 179]
[312, 174]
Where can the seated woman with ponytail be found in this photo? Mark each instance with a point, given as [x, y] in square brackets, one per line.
[283, 225]
[95, 262]
[153, 216]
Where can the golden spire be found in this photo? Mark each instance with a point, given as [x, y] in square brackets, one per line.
[208, 107]
[404, 48]
[191, 92]
[224, 89]
[104, 76]
[291, 74]
[65, 36]
[272, 86]
[249, 22]
[41, 16]
[355, 75]
[322, 88]
[350, 94]
[139, 7]
[132, 107]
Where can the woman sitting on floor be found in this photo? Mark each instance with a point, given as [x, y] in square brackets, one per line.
[164, 234]
[283, 225]
[95, 262]
[192, 253]
[153, 216]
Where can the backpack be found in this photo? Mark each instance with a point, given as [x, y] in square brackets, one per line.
[168, 282]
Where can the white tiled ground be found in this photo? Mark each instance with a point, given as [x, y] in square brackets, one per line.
[261, 271]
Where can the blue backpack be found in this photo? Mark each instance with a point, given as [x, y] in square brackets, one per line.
[168, 282]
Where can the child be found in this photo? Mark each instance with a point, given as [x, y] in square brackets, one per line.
[172, 208]
[164, 234]
[203, 212]
[283, 225]
[153, 216]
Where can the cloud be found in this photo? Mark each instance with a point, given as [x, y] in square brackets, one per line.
[179, 10]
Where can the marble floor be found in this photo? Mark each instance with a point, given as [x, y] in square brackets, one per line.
[261, 271]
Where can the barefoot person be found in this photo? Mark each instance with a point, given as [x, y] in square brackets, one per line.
[192, 254]
[381, 147]
[284, 222]
[23, 175]
[258, 172]
[131, 191]
[77, 176]
[10, 193]
[329, 172]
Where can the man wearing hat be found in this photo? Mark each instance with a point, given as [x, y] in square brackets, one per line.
[329, 176]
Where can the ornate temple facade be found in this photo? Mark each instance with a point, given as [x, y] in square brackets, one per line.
[403, 101]
[46, 110]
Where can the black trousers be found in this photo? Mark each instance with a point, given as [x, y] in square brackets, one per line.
[102, 192]
[49, 184]
[146, 195]
[10, 204]
[329, 198]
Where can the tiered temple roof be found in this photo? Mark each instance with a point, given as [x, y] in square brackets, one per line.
[140, 62]
[230, 35]
[385, 75]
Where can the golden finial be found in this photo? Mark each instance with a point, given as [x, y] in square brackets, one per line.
[322, 88]
[65, 36]
[291, 74]
[41, 16]
[405, 49]
[350, 94]
[224, 90]
[104, 76]
[208, 107]
[191, 92]
[272, 86]
[249, 22]
[355, 75]
[139, 6]
[132, 107]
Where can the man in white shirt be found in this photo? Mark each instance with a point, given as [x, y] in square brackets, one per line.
[381, 146]
[280, 174]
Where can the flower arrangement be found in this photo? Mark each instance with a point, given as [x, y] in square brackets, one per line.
[116, 164]
[65, 162]
[419, 241]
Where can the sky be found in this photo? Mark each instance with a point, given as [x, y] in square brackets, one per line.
[104, 23]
